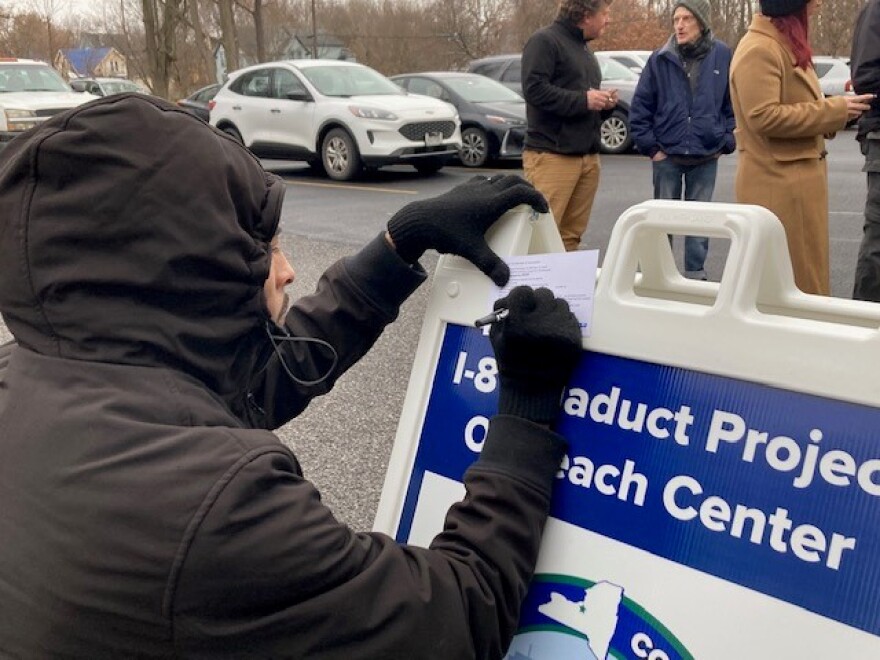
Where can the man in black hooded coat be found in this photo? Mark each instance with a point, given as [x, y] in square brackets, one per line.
[146, 509]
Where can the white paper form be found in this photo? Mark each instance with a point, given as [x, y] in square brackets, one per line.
[569, 275]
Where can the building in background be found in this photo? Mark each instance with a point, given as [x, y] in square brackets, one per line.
[329, 47]
[91, 62]
[298, 47]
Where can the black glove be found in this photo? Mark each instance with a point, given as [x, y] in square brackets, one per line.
[537, 347]
[454, 223]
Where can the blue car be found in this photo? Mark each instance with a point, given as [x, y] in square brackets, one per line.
[493, 118]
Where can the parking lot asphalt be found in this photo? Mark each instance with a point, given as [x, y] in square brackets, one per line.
[352, 213]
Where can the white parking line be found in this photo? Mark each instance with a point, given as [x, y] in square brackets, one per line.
[315, 184]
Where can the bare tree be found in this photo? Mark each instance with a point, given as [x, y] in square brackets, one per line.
[200, 40]
[731, 19]
[228, 33]
[474, 26]
[528, 16]
[256, 9]
[173, 50]
[161, 20]
[25, 35]
[634, 25]
[832, 28]
[47, 10]
[283, 20]
[260, 30]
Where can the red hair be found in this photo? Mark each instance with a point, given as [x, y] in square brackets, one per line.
[796, 30]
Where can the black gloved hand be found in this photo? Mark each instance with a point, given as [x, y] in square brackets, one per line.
[537, 347]
[455, 222]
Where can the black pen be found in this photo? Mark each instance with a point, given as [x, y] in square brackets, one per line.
[494, 317]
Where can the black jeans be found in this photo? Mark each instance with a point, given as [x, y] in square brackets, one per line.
[867, 281]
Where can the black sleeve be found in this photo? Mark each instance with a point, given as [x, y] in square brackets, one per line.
[865, 57]
[356, 298]
[538, 67]
[271, 573]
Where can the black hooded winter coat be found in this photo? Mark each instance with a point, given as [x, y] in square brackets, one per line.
[145, 509]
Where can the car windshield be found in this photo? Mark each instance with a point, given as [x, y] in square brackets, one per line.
[119, 86]
[479, 89]
[30, 78]
[345, 81]
[614, 70]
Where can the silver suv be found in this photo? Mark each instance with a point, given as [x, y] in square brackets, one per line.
[30, 93]
[614, 133]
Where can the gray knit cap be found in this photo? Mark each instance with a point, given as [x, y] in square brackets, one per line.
[699, 8]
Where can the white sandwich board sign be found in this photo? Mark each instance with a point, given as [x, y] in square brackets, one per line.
[720, 498]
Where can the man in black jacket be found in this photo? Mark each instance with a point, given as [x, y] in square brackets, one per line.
[147, 509]
[865, 67]
[561, 84]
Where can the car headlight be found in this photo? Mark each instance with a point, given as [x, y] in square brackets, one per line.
[365, 112]
[20, 120]
[505, 121]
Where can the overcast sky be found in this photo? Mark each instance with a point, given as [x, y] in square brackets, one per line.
[64, 6]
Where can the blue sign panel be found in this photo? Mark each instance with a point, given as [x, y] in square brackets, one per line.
[773, 490]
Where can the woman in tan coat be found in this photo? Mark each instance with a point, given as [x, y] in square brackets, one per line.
[782, 119]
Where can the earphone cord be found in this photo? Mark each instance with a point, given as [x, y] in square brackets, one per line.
[274, 339]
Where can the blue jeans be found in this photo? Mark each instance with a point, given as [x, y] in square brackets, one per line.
[698, 182]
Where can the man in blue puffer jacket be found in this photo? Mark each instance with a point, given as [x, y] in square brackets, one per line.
[681, 116]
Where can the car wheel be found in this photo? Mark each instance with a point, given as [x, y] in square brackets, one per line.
[429, 165]
[474, 150]
[232, 132]
[614, 134]
[339, 155]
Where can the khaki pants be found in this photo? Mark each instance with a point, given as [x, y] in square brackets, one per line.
[569, 183]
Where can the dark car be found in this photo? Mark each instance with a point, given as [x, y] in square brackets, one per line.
[493, 118]
[614, 133]
[197, 102]
[506, 69]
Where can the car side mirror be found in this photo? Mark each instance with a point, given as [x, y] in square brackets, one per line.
[77, 86]
[298, 96]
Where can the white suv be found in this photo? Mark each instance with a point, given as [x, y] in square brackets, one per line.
[30, 93]
[834, 75]
[338, 116]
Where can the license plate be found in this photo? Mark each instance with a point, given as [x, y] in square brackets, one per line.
[433, 139]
